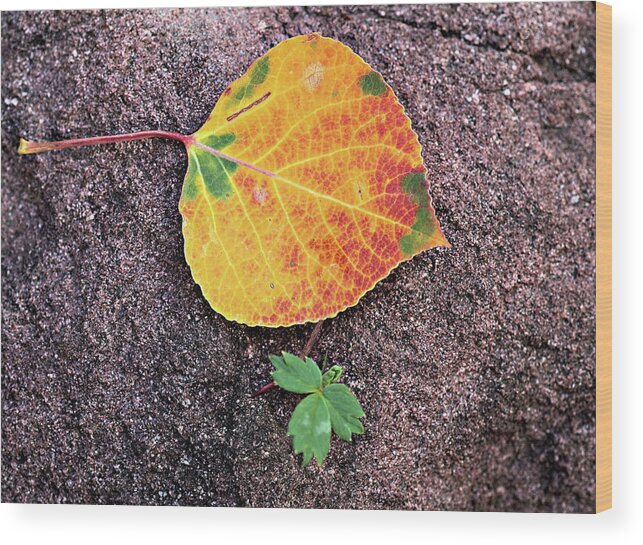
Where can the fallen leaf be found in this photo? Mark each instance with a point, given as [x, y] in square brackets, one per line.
[304, 188]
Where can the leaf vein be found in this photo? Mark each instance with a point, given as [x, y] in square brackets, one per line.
[254, 228]
[214, 226]
[341, 248]
[335, 152]
[303, 246]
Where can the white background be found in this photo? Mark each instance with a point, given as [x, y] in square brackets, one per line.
[623, 524]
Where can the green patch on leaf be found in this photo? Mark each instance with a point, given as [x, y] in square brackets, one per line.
[218, 141]
[415, 186]
[424, 225]
[257, 77]
[421, 231]
[260, 71]
[215, 171]
[372, 84]
[327, 406]
[190, 187]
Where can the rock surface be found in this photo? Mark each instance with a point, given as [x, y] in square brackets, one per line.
[475, 365]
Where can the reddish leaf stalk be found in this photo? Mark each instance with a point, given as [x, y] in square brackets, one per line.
[265, 388]
[27, 147]
[312, 340]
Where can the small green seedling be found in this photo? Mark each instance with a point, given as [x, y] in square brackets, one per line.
[327, 406]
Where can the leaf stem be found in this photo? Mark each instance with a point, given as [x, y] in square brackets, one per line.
[313, 339]
[265, 388]
[27, 147]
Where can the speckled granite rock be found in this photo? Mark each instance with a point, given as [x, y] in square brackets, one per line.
[475, 365]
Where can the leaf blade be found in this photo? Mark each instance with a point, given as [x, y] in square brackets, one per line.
[310, 428]
[344, 410]
[325, 225]
[300, 376]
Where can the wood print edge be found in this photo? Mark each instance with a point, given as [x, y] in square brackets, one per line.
[603, 257]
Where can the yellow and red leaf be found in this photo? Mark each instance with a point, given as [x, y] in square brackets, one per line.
[304, 188]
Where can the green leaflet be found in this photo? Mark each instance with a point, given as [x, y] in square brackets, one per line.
[296, 375]
[344, 410]
[332, 375]
[328, 406]
[309, 427]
